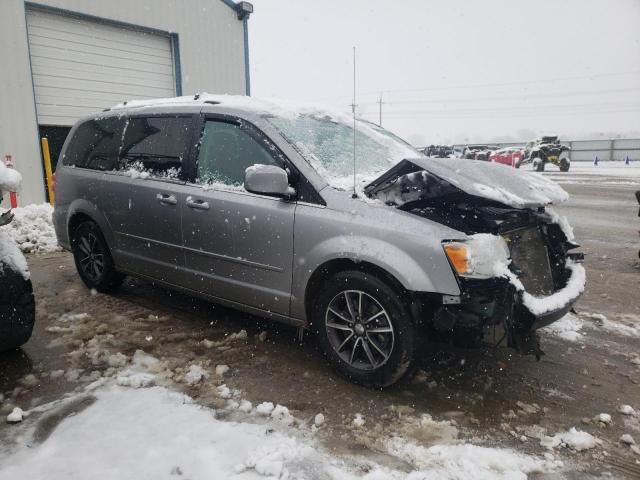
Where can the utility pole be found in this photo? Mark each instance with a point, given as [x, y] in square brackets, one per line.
[353, 112]
[380, 110]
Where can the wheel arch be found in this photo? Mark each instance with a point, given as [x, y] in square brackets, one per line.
[83, 210]
[336, 265]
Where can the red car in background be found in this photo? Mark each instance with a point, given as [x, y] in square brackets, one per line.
[507, 156]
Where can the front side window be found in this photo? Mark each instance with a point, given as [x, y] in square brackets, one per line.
[156, 146]
[95, 144]
[226, 150]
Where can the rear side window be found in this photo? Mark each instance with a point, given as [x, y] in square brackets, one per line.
[156, 145]
[95, 144]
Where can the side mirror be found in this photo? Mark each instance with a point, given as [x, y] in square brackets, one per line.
[268, 180]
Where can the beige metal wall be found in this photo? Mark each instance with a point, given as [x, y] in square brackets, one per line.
[211, 58]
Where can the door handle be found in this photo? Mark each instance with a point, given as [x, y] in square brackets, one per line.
[166, 199]
[197, 204]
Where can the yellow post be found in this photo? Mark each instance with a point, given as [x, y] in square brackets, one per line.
[47, 167]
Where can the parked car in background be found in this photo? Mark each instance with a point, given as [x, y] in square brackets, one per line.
[507, 156]
[17, 304]
[478, 152]
[439, 151]
[252, 204]
[546, 150]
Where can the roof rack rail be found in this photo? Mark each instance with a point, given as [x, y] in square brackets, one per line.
[212, 102]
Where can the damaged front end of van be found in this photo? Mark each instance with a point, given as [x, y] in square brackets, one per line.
[515, 261]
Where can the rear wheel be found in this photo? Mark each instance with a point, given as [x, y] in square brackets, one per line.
[93, 259]
[364, 329]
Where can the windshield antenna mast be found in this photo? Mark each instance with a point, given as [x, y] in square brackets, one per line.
[353, 111]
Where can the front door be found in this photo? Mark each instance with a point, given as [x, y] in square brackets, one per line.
[238, 245]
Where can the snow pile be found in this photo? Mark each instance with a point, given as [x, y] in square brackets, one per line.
[456, 462]
[358, 421]
[265, 408]
[148, 433]
[155, 433]
[574, 439]
[195, 375]
[9, 179]
[627, 439]
[281, 413]
[627, 410]
[629, 328]
[568, 328]
[32, 229]
[142, 372]
[11, 256]
[15, 416]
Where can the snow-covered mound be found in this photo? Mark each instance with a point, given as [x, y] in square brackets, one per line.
[156, 433]
[32, 229]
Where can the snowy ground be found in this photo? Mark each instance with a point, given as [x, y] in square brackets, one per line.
[612, 173]
[155, 432]
[148, 384]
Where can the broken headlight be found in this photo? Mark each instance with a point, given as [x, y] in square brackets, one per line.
[479, 256]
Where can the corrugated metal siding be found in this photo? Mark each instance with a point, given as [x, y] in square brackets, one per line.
[81, 66]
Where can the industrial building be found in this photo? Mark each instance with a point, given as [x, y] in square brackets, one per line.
[63, 59]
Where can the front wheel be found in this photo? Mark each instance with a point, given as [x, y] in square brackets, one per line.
[364, 329]
[93, 259]
[538, 164]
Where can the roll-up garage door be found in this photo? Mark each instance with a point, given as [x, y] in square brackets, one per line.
[81, 66]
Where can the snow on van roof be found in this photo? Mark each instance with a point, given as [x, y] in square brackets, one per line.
[274, 106]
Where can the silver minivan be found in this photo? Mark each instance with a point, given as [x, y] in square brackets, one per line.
[293, 214]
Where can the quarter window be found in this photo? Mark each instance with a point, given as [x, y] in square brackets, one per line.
[226, 150]
[157, 145]
[95, 144]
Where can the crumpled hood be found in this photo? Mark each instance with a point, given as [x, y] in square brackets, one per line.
[509, 186]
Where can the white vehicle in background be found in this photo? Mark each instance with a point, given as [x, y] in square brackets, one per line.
[17, 305]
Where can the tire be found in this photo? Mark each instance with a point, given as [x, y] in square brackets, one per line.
[372, 359]
[17, 309]
[538, 164]
[93, 259]
[564, 166]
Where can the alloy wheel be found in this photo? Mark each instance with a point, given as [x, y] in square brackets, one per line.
[91, 256]
[359, 329]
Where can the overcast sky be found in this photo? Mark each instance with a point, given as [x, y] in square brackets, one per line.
[455, 71]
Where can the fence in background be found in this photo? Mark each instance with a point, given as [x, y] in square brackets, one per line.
[587, 150]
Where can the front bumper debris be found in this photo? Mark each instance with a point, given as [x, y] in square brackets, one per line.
[497, 311]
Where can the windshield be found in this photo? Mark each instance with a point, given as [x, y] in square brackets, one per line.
[326, 142]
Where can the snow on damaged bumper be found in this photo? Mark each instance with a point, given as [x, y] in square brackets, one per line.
[550, 308]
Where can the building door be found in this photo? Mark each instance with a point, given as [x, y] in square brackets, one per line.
[82, 66]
